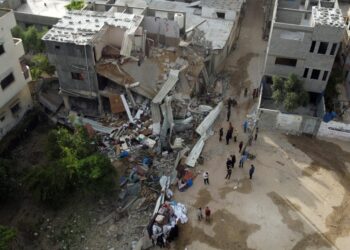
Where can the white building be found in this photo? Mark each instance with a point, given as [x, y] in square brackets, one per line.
[304, 40]
[15, 98]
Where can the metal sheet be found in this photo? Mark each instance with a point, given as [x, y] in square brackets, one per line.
[209, 119]
[127, 109]
[195, 153]
[167, 86]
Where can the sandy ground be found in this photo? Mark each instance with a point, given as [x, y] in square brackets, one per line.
[300, 192]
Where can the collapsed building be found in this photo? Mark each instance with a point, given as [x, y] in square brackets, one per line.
[143, 76]
[132, 50]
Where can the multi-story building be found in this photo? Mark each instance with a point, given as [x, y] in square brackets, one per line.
[15, 98]
[99, 55]
[304, 40]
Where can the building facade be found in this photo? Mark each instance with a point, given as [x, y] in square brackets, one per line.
[15, 98]
[304, 40]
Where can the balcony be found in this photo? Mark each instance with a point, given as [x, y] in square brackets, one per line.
[19, 50]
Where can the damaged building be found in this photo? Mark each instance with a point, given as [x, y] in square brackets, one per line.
[105, 60]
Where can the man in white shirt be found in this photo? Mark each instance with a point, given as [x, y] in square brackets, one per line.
[206, 177]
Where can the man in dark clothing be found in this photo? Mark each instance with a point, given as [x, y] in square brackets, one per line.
[256, 134]
[233, 160]
[229, 172]
[221, 133]
[227, 137]
[240, 146]
[251, 171]
[228, 114]
[228, 163]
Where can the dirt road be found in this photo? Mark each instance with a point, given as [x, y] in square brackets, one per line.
[300, 191]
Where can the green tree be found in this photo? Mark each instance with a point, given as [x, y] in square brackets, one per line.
[289, 92]
[75, 5]
[40, 64]
[7, 235]
[31, 38]
[74, 164]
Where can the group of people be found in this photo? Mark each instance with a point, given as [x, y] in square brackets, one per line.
[230, 134]
[207, 213]
[230, 164]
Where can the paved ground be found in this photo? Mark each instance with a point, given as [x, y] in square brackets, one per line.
[299, 195]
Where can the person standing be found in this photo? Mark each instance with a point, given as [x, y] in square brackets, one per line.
[228, 114]
[199, 214]
[206, 177]
[250, 141]
[240, 146]
[235, 132]
[242, 160]
[221, 133]
[207, 214]
[228, 163]
[227, 137]
[229, 172]
[245, 126]
[256, 134]
[233, 160]
[251, 171]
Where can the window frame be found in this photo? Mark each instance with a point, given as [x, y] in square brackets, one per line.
[333, 49]
[325, 75]
[318, 74]
[283, 61]
[77, 76]
[323, 48]
[306, 72]
[313, 46]
[16, 108]
[6, 85]
[2, 49]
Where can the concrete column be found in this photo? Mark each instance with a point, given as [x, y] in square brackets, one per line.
[66, 102]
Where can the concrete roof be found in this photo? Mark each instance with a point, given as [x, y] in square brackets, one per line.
[217, 31]
[222, 4]
[326, 16]
[80, 27]
[53, 8]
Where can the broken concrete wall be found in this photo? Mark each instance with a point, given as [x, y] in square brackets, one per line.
[162, 30]
[75, 67]
[112, 36]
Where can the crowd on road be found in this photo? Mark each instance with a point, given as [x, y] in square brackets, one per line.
[232, 134]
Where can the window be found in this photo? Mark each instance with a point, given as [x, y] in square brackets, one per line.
[7, 81]
[312, 48]
[323, 48]
[334, 48]
[2, 49]
[15, 108]
[286, 61]
[306, 72]
[324, 77]
[315, 74]
[77, 76]
[57, 47]
[221, 15]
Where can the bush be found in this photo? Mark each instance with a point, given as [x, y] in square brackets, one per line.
[31, 38]
[289, 92]
[7, 235]
[75, 5]
[74, 165]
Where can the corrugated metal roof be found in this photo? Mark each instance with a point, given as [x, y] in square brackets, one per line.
[167, 86]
